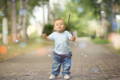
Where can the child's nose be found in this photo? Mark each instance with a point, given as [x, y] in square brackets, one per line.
[59, 26]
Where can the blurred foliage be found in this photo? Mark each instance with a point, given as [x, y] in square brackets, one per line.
[83, 11]
[5, 8]
[33, 3]
[48, 28]
[79, 14]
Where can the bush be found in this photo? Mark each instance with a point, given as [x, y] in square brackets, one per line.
[48, 28]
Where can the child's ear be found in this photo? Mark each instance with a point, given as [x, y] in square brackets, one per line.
[65, 26]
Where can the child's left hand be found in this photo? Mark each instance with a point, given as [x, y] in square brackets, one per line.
[73, 38]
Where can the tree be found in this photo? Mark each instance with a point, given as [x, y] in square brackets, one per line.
[11, 8]
[13, 19]
[23, 19]
[25, 7]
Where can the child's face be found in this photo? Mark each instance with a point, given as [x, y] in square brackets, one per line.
[59, 26]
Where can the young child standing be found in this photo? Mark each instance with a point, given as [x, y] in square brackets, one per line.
[62, 52]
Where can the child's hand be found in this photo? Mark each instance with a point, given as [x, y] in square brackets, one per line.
[44, 35]
[73, 38]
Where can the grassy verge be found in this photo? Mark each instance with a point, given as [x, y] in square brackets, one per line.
[15, 49]
[112, 49]
[107, 44]
[119, 51]
[100, 41]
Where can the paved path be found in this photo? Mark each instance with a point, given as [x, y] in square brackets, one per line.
[90, 62]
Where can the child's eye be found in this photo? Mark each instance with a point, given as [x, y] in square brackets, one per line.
[61, 24]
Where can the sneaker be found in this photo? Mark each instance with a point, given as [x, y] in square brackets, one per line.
[66, 77]
[52, 77]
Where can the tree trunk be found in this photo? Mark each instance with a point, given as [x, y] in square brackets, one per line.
[14, 32]
[5, 30]
[23, 19]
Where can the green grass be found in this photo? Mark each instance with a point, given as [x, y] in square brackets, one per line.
[16, 49]
[119, 51]
[113, 50]
[100, 41]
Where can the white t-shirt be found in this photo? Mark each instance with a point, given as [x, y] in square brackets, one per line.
[61, 42]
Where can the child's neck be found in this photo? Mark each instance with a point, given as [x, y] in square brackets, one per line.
[60, 31]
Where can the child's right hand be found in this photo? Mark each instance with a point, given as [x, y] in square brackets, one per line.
[44, 35]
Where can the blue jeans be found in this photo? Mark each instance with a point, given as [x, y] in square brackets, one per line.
[61, 60]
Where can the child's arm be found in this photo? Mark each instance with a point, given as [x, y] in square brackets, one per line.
[45, 36]
[48, 37]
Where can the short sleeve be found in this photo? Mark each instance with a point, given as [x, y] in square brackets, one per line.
[69, 35]
[51, 36]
